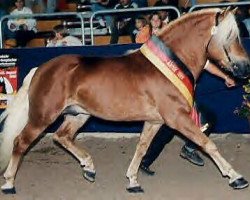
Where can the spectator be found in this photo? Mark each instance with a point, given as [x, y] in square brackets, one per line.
[62, 38]
[24, 29]
[123, 24]
[104, 5]
[156, 23]
[143, 30]
[167, 15]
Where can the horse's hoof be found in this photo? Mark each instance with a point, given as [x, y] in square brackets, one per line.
[239, 183]
[9, 191]
[89, 176]
[136, 189]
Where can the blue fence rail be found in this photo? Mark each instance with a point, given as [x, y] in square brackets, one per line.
[211, 92]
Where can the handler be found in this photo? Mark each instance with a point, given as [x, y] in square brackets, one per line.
[166, 134]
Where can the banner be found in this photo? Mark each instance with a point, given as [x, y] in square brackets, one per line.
[8, 78]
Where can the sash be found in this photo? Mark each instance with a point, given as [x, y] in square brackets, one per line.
[170, 65]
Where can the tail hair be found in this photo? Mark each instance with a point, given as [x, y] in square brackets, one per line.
[15, 118]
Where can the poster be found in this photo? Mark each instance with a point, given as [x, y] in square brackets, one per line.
[8, 78]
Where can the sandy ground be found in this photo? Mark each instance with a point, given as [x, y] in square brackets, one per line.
[50, 173]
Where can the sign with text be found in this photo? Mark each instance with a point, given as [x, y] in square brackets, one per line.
[8, 78]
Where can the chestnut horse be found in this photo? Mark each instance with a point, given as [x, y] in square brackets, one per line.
[126, 88]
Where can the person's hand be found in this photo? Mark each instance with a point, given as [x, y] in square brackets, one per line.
[12, 26]
[122, 24]
[64, 43]
[229, 82]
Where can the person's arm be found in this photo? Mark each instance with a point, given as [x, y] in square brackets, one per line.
[213, 69]
[30, 23]
[12, 25]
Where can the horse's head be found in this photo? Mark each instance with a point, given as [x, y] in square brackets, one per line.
[208, 34]
[224, 46]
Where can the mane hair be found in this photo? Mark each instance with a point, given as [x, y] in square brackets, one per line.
[227, 31]
[189, 16]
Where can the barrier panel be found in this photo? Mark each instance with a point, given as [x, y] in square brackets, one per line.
[211, 92]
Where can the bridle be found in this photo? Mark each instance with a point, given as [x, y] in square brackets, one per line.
[214, 31]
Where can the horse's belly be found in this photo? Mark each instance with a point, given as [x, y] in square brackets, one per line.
[120, 107]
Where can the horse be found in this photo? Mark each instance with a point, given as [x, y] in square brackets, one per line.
[131, 87]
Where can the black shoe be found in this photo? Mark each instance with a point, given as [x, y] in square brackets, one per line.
[192, 156]
[147, 170]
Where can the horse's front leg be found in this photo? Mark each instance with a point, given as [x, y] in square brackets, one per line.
[186, 126]
[148, 133]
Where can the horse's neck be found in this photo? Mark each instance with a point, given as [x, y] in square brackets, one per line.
[188, 39]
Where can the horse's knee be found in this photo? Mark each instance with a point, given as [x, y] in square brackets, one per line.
[21, 144]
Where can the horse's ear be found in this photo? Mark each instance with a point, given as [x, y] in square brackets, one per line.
[225, 11]
[234, 11]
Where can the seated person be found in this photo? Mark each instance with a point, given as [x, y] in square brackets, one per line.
[156, 23]
[103, 5]
[62, 38]
[167, 15]
[143, 31]
[123, 24]
[24, 29]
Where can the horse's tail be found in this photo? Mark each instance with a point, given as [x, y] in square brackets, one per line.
[14, 119]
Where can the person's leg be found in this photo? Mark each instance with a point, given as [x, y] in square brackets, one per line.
[23, 37]
[190, 150]
[131, 28]
[164, 136]
[97, 7]
[114, 32]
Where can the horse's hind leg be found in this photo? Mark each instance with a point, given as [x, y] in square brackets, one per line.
[21, 144]
[186, 126]
[65, 136]
[147, 135]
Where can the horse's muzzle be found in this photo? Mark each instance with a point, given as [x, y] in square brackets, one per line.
[241, 69]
